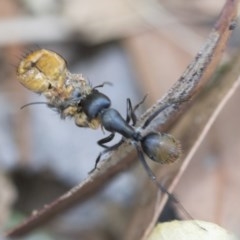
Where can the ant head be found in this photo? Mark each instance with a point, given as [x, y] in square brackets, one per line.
[42, 70]
[161, 147]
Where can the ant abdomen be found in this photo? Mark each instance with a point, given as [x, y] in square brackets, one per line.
[161, 147]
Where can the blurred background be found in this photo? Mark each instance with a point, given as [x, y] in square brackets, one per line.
[141, 46]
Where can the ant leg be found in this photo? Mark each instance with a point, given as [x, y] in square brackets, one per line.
[131, 111]
[97, 160]
[101, 143]
[107, 149]
[151, 117]
[107, 139]
[165, 105]
[158, 184]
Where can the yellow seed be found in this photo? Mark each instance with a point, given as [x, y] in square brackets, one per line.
[41, 70]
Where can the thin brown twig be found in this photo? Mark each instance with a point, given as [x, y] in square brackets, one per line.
[187, 86]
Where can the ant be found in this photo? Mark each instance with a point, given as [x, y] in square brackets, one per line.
[159, 147]
[45, 72]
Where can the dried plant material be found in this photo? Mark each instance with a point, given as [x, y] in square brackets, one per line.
[189, 230]
[190, 83]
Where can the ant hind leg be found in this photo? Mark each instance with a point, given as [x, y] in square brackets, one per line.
[153, 178]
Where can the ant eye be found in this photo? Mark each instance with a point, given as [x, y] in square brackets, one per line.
[162, 148]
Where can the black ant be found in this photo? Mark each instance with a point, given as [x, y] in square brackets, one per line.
[45, 72]
[159, 147]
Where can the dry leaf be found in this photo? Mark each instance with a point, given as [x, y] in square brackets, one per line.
[189, 230]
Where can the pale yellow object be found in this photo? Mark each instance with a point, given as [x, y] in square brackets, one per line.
[190, 230]
[41, 70]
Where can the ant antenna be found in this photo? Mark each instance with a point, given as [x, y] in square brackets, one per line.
[103, 84]
[33, 103]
